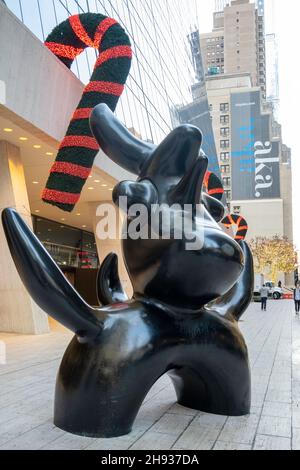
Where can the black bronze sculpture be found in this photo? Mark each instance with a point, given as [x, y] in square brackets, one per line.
[182, 319]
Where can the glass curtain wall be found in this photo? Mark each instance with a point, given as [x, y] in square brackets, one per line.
[162, 70]
[70, 247]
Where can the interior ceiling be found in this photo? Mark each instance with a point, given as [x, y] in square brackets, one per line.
[37, 165]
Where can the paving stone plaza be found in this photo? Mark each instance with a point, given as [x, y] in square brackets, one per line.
[273, 337]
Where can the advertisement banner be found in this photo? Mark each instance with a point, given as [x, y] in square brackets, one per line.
[254, 156]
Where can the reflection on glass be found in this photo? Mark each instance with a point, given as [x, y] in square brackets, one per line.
[68, 246]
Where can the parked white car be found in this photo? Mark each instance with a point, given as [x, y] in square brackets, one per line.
[274, 291]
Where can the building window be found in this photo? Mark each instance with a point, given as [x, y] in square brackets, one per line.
[226, 180]
[224, 156]
[224, 107]
[224, 144]
[225, 168]
[69, 246]
[224, 119]
[228, 195]
[224, 131]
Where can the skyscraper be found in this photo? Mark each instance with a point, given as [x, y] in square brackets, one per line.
[272, 72]
[260, 7]
[237, 43]
[221, 4]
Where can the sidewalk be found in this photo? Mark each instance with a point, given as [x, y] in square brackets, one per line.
[273, 338]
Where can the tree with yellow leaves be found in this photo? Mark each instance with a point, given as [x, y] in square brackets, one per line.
[273, 255]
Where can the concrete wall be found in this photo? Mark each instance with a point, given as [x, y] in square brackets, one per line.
[18, 312]
[265, 218]
[286, 194]
[39, 89]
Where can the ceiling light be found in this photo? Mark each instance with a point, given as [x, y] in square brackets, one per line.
[90, 188]
[23, 138]
[49, 153]
[96, 181]
[35, 182]
[111, 189]
[104, 185]
[7, 129]
[37, 211]
[37, 146]
[90, 176]
[78, 213]
[84, 226]
[62, 220]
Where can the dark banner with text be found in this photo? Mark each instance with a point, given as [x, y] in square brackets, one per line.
[255, 157]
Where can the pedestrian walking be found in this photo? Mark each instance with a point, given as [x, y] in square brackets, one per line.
[297, 298]
[264, 292]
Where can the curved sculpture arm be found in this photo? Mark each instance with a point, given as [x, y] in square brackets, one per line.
[46, 283]
[233, 304]
[109, 287]
[120, 145]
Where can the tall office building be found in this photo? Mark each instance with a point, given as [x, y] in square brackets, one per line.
[237, 43]
[221, 4]
[272, 72]
[260, 7]
[254, 163]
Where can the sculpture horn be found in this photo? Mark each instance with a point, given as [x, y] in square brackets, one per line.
[117, 142]
[176, 154]
[189, 189]
[45, 282]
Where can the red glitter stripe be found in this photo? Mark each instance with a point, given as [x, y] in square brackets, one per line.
[239, 237]
[216, 191]
[79, 30]
[102, 29]
[71, 169]
[105, 87]
[62, 50]
[113, 53]
[231, 220]
[206, 178]
[82, 113]
[79, 141]
[245, 227]
[60, 196]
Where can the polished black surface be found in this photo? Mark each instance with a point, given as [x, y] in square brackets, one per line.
[182, 319]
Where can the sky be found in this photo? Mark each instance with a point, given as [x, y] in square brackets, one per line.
[282, 18]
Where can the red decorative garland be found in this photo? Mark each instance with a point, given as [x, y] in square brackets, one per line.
[240, 222]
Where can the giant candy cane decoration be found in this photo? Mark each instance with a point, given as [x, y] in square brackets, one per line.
[79, 148]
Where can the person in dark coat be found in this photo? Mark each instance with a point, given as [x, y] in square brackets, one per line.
[297, 298]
